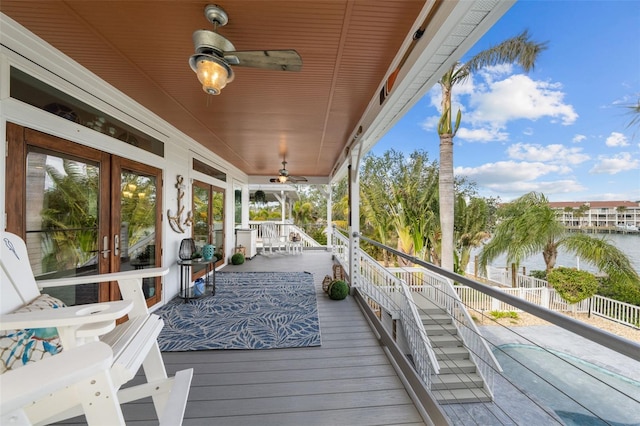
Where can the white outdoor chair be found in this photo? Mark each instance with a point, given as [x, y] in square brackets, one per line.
[133, 342]
[81, 374]
[270, 237]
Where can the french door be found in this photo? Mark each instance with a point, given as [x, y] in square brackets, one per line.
[208, 220]
[82, 211]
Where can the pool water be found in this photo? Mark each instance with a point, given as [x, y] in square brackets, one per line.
[603, 397]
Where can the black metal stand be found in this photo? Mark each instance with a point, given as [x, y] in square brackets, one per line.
[188, 292]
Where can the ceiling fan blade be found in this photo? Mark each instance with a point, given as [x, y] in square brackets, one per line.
[277, 60]
[296, 179]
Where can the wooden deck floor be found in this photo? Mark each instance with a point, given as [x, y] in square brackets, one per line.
[347, 381]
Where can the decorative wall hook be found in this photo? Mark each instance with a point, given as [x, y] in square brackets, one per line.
[176, 222]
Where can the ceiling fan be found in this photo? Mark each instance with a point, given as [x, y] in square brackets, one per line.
[285, 177]
[215, 55]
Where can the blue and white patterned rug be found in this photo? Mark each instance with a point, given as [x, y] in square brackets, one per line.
[250, 310]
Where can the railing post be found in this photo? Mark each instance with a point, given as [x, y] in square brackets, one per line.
[354, 246]
[544, 297]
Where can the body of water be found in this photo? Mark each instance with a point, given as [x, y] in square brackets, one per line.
[627, 243]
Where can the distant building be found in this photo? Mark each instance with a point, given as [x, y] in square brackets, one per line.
[621, 215]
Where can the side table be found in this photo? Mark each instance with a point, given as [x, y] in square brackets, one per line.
[187, 292]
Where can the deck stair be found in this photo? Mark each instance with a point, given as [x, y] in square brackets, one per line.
[458, 380]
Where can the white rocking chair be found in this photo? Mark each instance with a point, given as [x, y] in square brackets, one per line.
[133, 342]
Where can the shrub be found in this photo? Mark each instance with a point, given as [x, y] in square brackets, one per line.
[237, 259]
[217, 255]
[504, 314]
[541, 275]
[623, 291]
[573, 285]
[338, 290]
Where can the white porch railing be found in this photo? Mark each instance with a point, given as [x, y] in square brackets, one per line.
[394, 296]
[442, 292]
[376, 280]
[283, 230]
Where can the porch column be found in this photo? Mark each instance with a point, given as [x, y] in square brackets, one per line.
[329, 229]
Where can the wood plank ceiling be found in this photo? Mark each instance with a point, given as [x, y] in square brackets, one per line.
[142, 48]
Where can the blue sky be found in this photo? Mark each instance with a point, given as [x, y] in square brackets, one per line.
[560, 129]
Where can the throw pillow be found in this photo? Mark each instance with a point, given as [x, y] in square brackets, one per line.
[20, 347]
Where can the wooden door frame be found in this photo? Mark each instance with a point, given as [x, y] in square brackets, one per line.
[18, 140]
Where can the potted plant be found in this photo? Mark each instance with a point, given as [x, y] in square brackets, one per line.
[237, 259]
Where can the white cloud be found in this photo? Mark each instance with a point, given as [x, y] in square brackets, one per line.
[554, 153]
[509, 172]
[578, 138]
[517, 97]
[512, 178]
[482, 135]
[565, 186]
[616, 139]
[430, 123]
[616, 164]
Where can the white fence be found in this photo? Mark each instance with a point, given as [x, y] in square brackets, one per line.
[614, 310]
[538, 291]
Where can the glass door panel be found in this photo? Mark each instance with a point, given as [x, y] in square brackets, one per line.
[201, 216]
[138, 225]
[208, 221]
[217, 220]
[62, 215]
[136, 222]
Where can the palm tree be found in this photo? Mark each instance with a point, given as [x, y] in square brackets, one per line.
[520, 50]
[472, 218]
[529, 226]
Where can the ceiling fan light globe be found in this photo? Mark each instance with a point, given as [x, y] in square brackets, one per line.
[282, 179]
[212, 73]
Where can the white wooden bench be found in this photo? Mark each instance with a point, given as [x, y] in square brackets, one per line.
[133, 342]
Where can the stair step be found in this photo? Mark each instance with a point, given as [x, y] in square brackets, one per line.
[445, 340]
[431, 311]
[457, 366]
[459, 396]
[457, 381]
[440, 329]
[436, 319]
[451, 352]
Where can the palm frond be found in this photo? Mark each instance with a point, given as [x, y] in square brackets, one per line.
[604, 255]
[519, 49]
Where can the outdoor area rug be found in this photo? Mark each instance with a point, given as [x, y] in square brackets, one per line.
[250, 310]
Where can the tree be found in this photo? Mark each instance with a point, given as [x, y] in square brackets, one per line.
[520, 50]
[472, 218]
[634, 111]
[529, 226]
[399, 199]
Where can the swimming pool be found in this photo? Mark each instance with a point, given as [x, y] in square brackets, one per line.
[604, 397]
